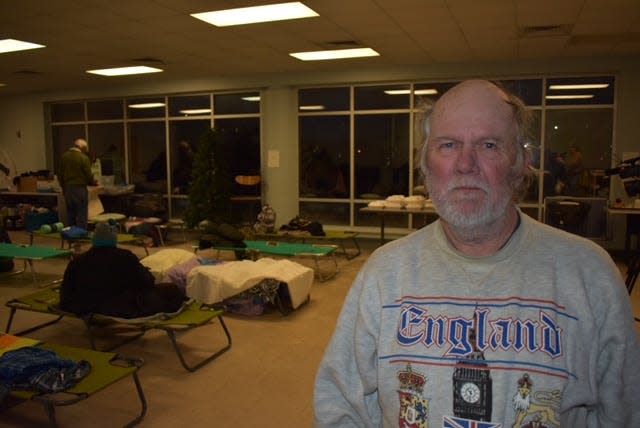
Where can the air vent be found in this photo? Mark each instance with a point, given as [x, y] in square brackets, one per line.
[339, 44]
[544, 31]
[27, 72]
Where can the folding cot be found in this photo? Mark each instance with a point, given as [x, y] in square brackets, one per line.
[107, 368]
[123, 238]
[194, 314]
[338, 236]
[30, 253]
[255, 249]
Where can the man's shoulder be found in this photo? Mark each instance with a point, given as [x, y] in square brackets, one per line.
[415, 242]
[555, 238]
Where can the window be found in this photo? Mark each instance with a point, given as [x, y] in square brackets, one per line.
[183, 141]
[105, 110]
[148, 156]
[377, 141]
[145, 140]
[107, 144]
[324, 156]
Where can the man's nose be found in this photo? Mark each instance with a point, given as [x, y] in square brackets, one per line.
[466, 160]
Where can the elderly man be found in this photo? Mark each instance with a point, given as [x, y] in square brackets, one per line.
[484, 317]
[74, 177]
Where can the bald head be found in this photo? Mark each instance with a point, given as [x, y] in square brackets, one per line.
[81, 144]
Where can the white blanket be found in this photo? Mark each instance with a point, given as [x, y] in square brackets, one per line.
[214, 283]
[160, 262]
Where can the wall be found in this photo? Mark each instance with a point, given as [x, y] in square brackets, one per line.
[22, 132]
[279, 125]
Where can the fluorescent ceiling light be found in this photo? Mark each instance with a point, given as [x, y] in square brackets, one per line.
[312, 107]
[11, 45]
[569, 97]
[584, 86]
[125, 71]
[255, 98]
[416, 92]
[254, 14]
[195, 111]
[334, 54]
[146, 105]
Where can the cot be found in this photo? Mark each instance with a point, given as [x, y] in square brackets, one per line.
[107, 368]
[255, 249]
[123, 238]
[30, 253]
[194, 314]
[338, 236]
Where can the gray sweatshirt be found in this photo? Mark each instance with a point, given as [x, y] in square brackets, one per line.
[540, 334]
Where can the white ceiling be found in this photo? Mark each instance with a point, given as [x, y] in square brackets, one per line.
[90, 34]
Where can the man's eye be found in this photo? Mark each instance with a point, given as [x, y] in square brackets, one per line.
[447, 145]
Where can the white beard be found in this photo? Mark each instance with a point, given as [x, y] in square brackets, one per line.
[471, 221]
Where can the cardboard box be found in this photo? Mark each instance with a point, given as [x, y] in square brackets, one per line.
[28, 184]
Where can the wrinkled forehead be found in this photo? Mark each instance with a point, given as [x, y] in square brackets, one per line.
[474, 105]
[478, 94]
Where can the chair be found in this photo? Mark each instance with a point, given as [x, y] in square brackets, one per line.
[193, 315]
[569, 215]
[248, 180]
[106, 369]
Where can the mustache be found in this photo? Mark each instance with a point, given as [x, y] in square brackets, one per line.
[466, 184]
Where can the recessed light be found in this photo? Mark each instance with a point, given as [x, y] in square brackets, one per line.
[195, 111]
[569, 97]
[582, 86]
[12, 45]
[254, 14]
[407, 91]
[312, 107]
[146, 105]
[125, 71]
[334, 54]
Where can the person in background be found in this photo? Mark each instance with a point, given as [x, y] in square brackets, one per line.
[182, 172]
[575, 170]
[111, 281]
[485, 315]
[74, 177]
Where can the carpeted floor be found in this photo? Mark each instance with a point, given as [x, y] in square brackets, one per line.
[264, 380]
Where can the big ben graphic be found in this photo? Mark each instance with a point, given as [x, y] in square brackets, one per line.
[472, 384]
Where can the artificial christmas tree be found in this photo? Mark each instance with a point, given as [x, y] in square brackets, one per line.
[210, 188]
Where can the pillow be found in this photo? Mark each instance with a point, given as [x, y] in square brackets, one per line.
[161, 261]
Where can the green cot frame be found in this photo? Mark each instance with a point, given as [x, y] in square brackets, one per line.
[123, 239]
[107, 368]
[195, 314]
[335, 236]
[29, 254]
